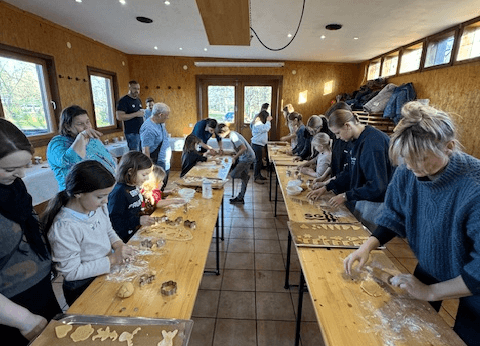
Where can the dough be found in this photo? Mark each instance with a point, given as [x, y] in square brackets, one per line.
[128, 337]
[371, 288]
[104, 334]
[126, 290]
[167, 338]
[63, 330]
[82, 333]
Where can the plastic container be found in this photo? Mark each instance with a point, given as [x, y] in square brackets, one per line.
[207, 189]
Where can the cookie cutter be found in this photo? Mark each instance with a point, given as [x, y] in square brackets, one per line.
[169, 288]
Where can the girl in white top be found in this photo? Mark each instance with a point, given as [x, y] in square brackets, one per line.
[79, 228]
[321, 143]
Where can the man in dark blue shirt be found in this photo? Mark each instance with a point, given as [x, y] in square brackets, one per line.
[129, 110]
[204, 129]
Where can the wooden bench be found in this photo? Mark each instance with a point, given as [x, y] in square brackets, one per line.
[376, 120]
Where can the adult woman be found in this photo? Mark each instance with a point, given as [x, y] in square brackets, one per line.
[433, 202]
[261, 126]
[77, 141]
[364, 183]
[27, 300]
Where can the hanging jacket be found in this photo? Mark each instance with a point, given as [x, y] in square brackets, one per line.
[401, 95]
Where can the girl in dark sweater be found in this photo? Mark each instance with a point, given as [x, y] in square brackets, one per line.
[433, 202]
[190, 155]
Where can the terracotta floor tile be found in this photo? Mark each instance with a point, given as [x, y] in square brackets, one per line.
[229, 332]
[242, 232]
[238, 280]
[202, 333]
[274, 280]
[240, 245]
[264, 223]
[243, 222]
[236, 304]
[310, 334]
[206, 303]
[274, 306]
[267, 246]
[269, 262]
[275, 333]
[266, 233]
[211, 281]
[239, 260]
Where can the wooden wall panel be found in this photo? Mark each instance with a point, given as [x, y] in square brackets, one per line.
[165, 79]
[24, 30]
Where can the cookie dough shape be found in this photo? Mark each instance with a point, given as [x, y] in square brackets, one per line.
[104, 334]
[128, 337]
[126, 290]
[371, 288]
[82, 333]
[167, 338]
[62, 330]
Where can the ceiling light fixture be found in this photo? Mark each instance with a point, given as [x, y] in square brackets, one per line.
[333, 27]
[123, 2]
[180, 48]
[167, 2]
[323, 37]
[155, 47]
[237, 64]
[144, 20]
[78, 0]
[355, 38]
[205, 49]
[289, 35]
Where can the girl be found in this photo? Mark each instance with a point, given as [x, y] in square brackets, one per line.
[315, 124]
[125, 201]
[292, 128]
[153, 196]
[296, 120]
[321, 143]
[190, 155]
[27, 301]
[261, 126]
[433, 202]
[364, 183]
[79, 229]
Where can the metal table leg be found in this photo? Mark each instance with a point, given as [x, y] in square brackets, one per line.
[276, 194]
[287, 269]
[299, 309]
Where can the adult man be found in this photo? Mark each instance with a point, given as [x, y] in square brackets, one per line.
[204, 129]
[155, 138]
[129, 110]
[148, 108]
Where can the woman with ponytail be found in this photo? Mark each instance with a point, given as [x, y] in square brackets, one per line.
[27, 300]
[433, 201]
[79, 228]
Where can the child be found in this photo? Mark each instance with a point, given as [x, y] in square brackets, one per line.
[260, 127]
[79, 229]
[125, 201]
[153, 195]
[190, 155]
[296, 120]
[321, 143]
[245, 155]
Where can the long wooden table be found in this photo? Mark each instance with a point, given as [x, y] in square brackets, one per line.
[346, 312]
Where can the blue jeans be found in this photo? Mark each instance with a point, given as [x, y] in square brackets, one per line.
[133, 141]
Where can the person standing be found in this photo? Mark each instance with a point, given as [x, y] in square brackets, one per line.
[130, 111]
[155, 138]
[260, 126]
[148, 108]
[204, 129]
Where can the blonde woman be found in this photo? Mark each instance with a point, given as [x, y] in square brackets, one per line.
[433, 201]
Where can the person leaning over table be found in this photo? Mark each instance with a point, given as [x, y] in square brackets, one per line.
[27, 301]
[362, 185]
[156, 140]
[204, 129]
[77, 141]
[433, 201]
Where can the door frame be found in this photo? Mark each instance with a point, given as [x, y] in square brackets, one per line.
[275, 81]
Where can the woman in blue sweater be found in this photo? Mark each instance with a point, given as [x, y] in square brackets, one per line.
[363, 183]
[433, 201]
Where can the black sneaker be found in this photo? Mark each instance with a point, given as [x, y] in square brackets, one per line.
[237, 200]
[261, 177]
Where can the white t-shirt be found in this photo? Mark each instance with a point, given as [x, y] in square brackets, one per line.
[323, 162]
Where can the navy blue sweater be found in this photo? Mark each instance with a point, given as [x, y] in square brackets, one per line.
[124, 205]
[440, 219]
[369, 171]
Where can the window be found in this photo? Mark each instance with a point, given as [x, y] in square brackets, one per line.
[411, 58]
[103, 89]
[469, 42]
[221, 103]
[390, 63]
[373, 70]
[254, 97]
[25, 94]
[439, 50]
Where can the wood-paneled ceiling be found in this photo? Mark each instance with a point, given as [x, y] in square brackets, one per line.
[178, 30]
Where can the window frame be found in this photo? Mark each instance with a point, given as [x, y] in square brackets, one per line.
[386, 55]
[457, 46]
[400, 56]
[51, 88]
[434, 38]
[113, 76]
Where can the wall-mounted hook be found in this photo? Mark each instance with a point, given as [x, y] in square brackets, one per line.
[60, 76]
[158, 87]
[179, 87]
[77, 79]
[146, 86]
[84, 80]
[169, 87]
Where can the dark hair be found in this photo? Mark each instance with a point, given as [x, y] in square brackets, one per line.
[12, 139]
[265, 106]
[66, 118]
[221, 129]
[130, 164]
[211, 123]
[263, 115]
[86, 176]
[288, 109]
[133, 82]
[295, 115]
[190, 142]
[149, 99]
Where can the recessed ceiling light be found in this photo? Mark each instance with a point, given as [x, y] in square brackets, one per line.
[355, 38]
[333, 26]
[205, 49]
[78, 0]
[123, 2]
[144, 20]
[180, 48]
[155, 47]
[289, 35]
[323, 37]
[167, 2]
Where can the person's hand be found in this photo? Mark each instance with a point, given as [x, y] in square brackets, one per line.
[211, 151]
[284, 138]
[33, 326]
[220, 151]
[269, 118]
[337, 200]
[141, 113]
[318, 184]
[360, 255]
[146, 220]
[177, 200]
[297, 158]
[122, 253]
[413, 286]
[89, 133]
[316, 194]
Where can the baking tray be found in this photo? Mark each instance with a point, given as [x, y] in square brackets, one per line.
[150, 333]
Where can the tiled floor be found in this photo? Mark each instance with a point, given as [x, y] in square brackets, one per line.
[247, 304]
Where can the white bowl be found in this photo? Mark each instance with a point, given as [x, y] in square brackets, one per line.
[294, 190]
[186, 193]
[294, 183]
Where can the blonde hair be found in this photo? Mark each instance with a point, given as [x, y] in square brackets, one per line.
[156, 178]
[322, 140]
[340, 117]
[423, 130]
